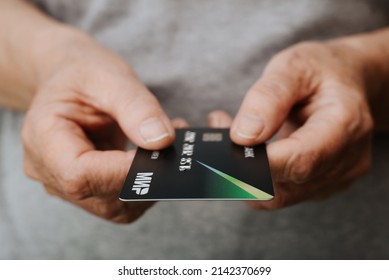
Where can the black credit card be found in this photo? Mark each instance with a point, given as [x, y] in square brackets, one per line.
[202, 164]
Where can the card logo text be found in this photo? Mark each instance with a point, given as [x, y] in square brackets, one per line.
[142, 183]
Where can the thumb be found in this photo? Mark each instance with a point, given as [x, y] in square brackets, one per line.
[267, 104]
[138, 113]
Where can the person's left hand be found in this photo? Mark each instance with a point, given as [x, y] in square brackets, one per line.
[313, 95]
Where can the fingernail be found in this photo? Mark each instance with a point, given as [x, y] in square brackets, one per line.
[153, 130]
[218, 120]
[249, 127]
[213, 121]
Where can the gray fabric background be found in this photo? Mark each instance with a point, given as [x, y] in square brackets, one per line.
[197, 56]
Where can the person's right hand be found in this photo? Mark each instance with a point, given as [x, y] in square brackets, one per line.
[88, 104]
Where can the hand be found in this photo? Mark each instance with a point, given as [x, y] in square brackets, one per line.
[313, 95]
[77, 127]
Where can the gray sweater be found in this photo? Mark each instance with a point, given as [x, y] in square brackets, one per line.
[197, 56]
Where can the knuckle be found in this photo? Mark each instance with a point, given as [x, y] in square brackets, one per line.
[357, 121]
[351, 111]
[301, 61]
[104, 210]
[368, 123]
[73, 190]
[26, 136]
[74, 186]
[307, 50]
[49, 190]
[344, 116]
[347, 118]
[298, 55]
[29, 170]
[300, 167]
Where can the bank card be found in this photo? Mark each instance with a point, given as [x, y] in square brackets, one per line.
[202, 164]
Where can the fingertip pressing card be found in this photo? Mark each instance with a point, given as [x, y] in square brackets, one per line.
[202, 164]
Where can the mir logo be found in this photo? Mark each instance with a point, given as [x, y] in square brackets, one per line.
[142, 183]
